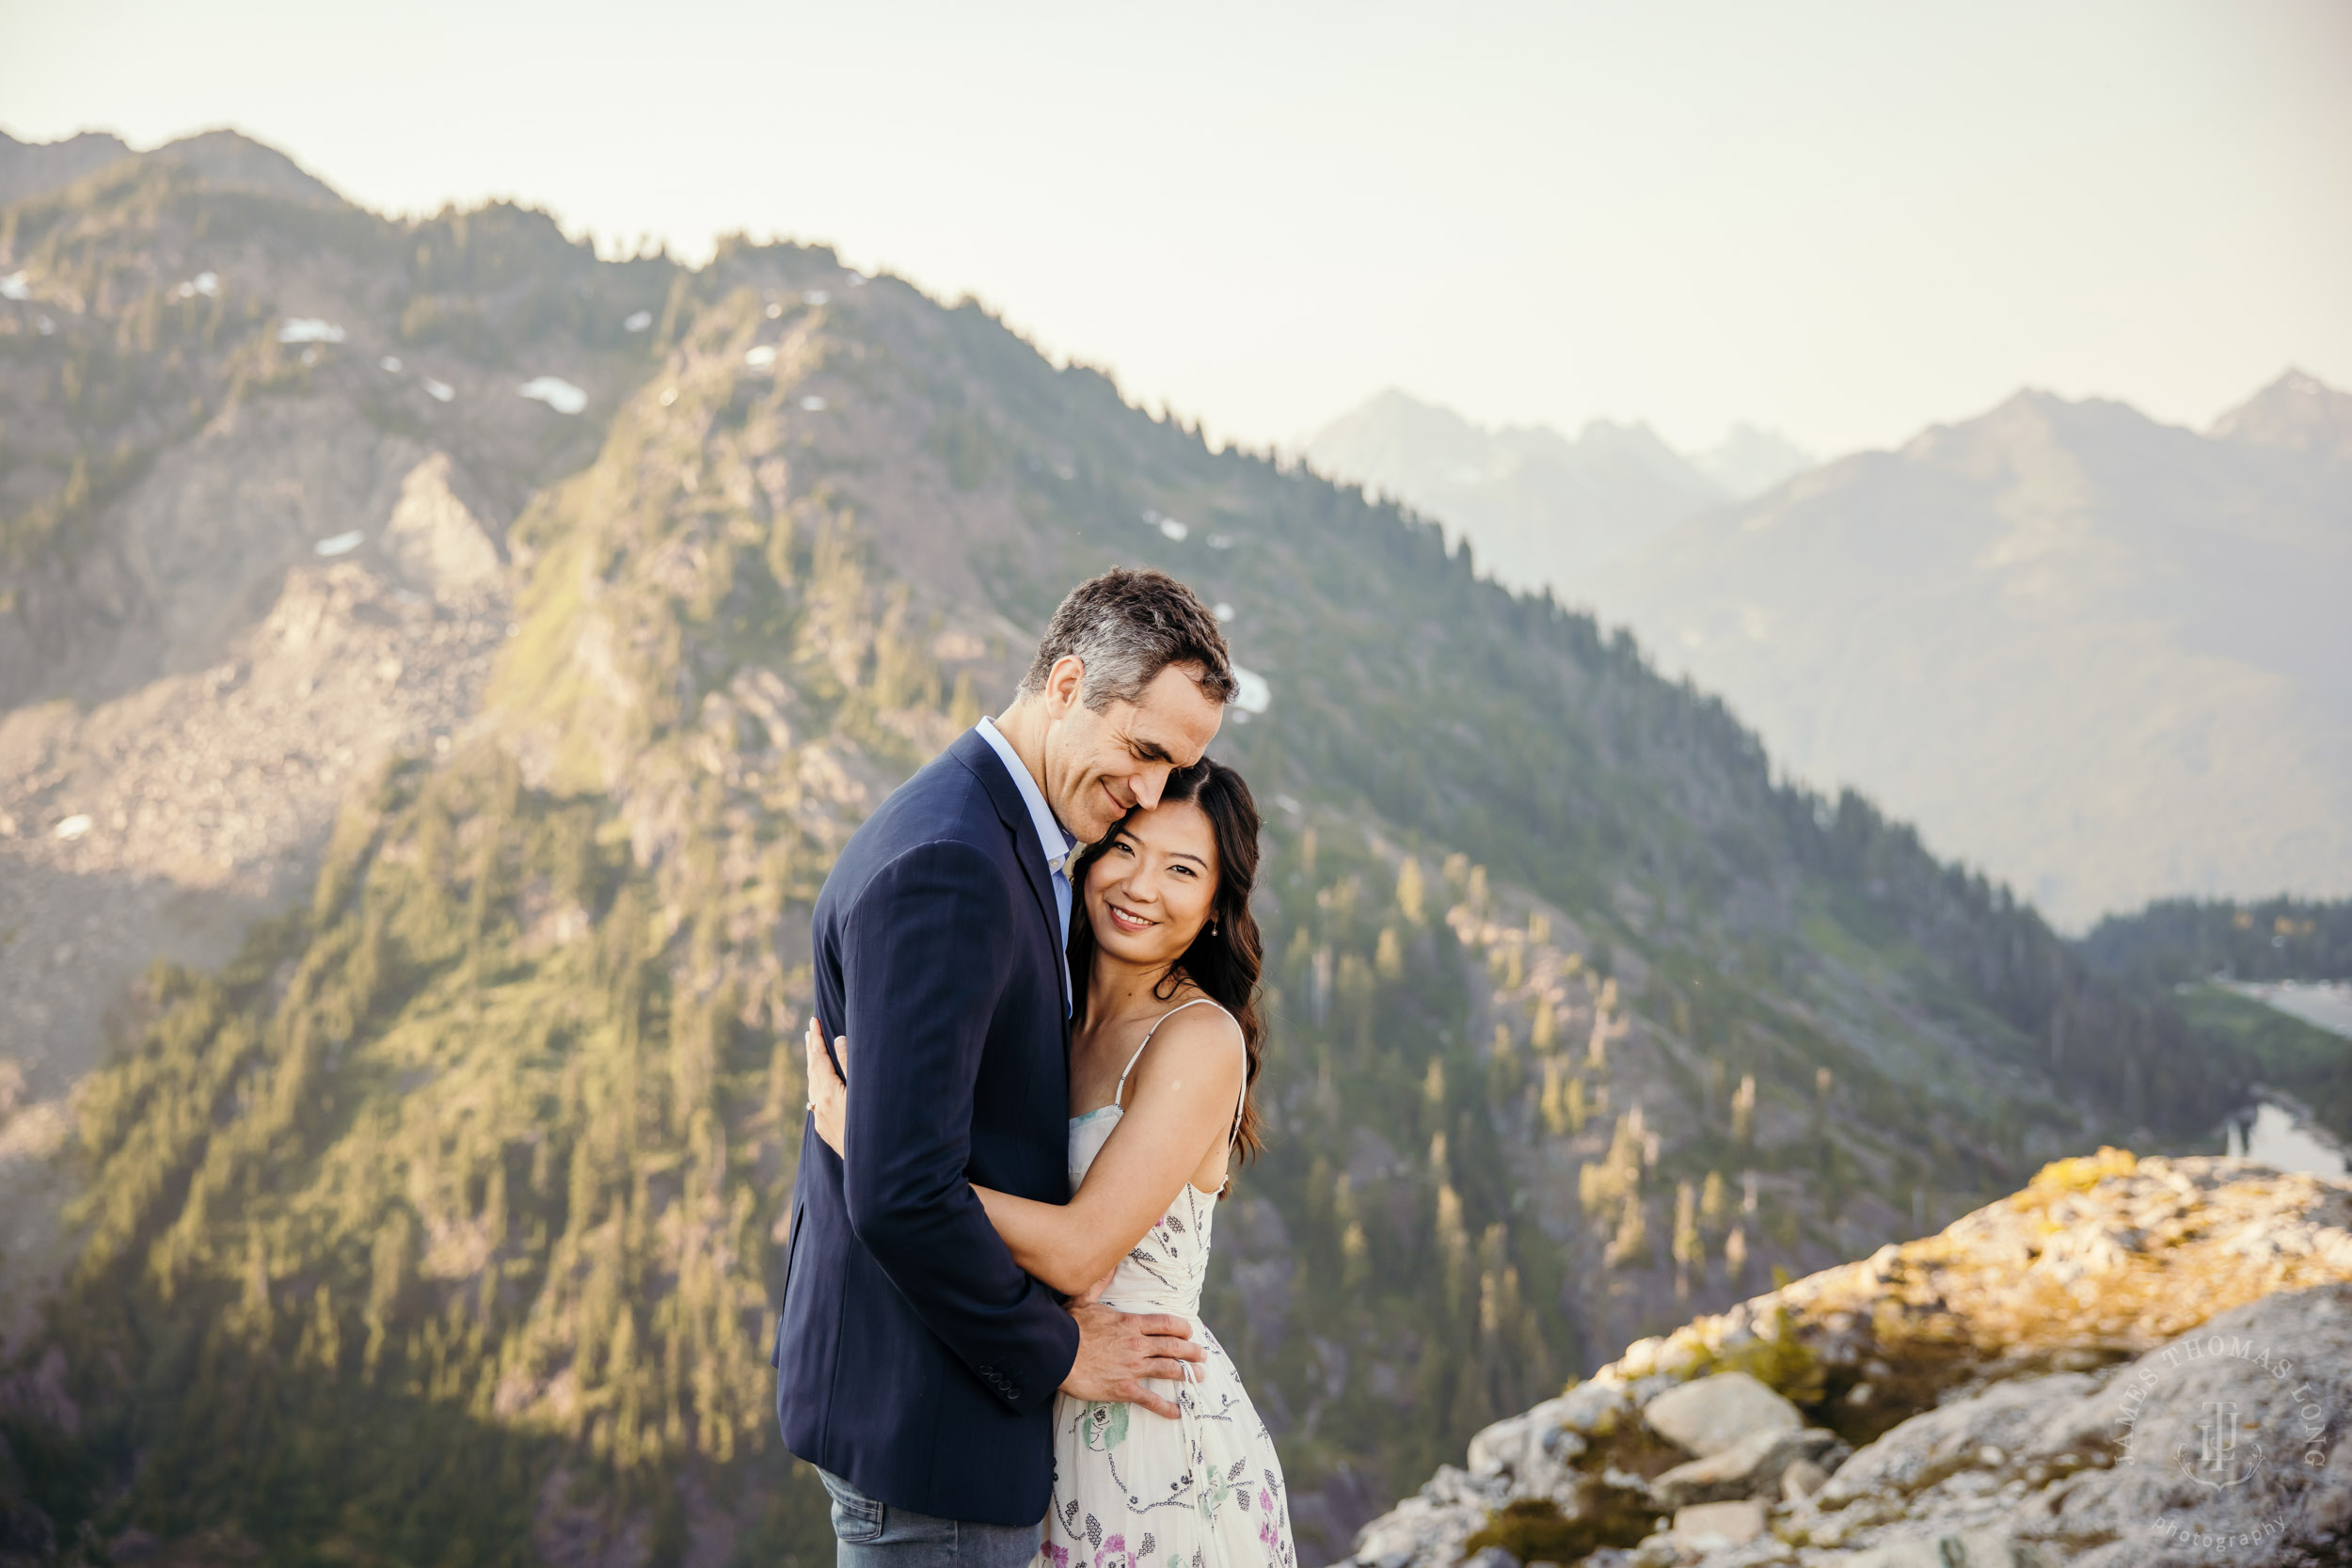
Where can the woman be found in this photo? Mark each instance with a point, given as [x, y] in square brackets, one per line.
[1164, 1045]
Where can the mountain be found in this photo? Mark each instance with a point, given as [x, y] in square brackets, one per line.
[2295, 413]
[2103, 657]
[29, 168]
[1749, 461]
[1539, 507]
[2024, 1390]
[440, 667]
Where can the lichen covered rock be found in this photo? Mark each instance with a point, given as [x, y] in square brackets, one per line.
[2131, 1361]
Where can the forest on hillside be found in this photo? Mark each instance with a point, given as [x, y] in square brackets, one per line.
[444, 1223]
[2190, 938]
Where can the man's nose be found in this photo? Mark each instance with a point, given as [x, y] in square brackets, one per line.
[1148, 785]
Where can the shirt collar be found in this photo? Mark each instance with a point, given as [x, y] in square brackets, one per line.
[1049, 837]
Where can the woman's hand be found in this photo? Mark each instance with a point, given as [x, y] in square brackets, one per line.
[828, 1096]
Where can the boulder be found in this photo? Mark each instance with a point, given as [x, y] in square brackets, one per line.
[1709, 1414]
[1417, 1531]
[1802, 1479]
[1594, 1408]
[1505, 1448]
[1711, 1527]
[2118, 1468]
[436, 539]
[2002, 1419]
[1993, 1547]
[1750, 1468]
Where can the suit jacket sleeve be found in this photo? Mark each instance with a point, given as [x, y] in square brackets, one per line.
[928, 953]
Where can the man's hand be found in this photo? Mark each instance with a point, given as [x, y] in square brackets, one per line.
[1117, 1350]
[828, 1096]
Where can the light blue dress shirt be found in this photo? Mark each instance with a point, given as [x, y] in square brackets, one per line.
[1052, 841]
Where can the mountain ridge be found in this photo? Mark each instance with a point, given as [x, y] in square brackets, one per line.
[1542, 506]
[2178, 585]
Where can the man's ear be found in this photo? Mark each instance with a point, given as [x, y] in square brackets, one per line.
[1062, 683]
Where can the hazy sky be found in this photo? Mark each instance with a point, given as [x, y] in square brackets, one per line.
[1841, 220]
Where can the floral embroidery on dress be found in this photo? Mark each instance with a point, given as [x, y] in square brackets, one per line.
[1105, 1426]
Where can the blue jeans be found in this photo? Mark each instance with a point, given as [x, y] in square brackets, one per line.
[871, 1535]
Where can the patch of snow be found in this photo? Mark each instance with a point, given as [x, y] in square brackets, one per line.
[858, 280]
[340, 543]
[1174, 530]
[309, 329]
[1224, 612]
[556, 392]
[1287, 804]
[637, 320]
[817, 297]
[72, 828]
[1255, 696]
[207, 284]
[439, 391]
[761, 357]
[15, 286]
[390, 362]
[814, 404]
[1220, 541]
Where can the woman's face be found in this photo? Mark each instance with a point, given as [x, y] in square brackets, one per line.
[1150, 894]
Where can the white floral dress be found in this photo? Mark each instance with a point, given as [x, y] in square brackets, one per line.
[1135, 1490]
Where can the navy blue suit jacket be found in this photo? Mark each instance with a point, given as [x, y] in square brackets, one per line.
[915, 1358]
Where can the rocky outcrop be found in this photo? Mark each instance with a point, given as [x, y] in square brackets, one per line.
[2128, 1362]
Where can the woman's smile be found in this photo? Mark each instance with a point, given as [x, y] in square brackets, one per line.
[1125, 919]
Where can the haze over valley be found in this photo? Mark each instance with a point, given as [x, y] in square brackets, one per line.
[2105, 658]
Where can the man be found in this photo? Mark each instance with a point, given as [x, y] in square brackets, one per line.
[916, 1362]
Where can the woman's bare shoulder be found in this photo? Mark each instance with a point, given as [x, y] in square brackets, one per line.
[1198, 1032]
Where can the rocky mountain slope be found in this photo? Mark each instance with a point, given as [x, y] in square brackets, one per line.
[2102, 656]
[1541, 508]
[2034, 1385]
[459, 659]
[245, 557]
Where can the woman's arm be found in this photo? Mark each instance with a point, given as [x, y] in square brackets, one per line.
[1179, 1108]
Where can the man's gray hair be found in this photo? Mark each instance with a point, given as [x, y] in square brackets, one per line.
[1127, 626]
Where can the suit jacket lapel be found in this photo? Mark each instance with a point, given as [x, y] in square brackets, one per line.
[982, 758]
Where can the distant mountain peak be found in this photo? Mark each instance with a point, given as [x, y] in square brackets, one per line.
[1540, 506]
[28, 168]
[224, 159]
[1750, 460]
[2298, 412]
[232, 161]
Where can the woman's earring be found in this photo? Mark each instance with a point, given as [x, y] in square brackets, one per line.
[1212, 928]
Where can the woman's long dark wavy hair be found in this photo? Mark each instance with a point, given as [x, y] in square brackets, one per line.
[1228, 956]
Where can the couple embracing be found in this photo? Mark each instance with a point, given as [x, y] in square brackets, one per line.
[990, 1345]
